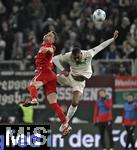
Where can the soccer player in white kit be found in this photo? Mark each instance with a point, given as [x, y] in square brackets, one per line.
[80, 70]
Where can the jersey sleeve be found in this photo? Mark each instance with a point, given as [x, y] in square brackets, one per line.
[65, 57]
[92, 52]
[108, 104]
[59, 59]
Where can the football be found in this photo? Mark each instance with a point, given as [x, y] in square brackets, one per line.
[99, 15]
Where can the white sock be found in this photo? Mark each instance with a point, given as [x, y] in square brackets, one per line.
[71, 112]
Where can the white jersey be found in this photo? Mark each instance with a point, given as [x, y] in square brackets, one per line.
[84, 67]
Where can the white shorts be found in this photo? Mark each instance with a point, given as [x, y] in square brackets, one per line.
[69, 81]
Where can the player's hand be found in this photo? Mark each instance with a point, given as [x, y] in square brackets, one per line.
[65, 72]
[115, 34]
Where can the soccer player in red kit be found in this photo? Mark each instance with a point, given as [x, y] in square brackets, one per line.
[47, 78]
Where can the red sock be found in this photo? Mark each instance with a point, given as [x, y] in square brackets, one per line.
[59, 112]
[33, 91]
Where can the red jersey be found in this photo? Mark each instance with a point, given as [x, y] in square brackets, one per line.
[103, 110]
[43, 59]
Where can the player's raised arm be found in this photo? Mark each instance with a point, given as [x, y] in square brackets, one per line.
[92, 52]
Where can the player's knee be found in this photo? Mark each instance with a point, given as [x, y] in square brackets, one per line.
[52, 97]
[31, 83]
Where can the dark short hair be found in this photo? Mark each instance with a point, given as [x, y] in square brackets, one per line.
[100, 90]
[130, 94]
[76, 50]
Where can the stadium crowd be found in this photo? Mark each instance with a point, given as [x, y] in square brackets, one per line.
[24, 22]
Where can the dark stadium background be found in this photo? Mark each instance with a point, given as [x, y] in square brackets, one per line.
[22, 26]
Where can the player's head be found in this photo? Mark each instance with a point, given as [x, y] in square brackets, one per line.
[130, 97]
[76, 53]
[50, 37]
[102, 93]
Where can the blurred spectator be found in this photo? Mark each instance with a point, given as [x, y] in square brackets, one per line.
[73, 23]
[17, 52]
[66, 47]
[133, 30]
[115, 67]
[2, 9]
[2, 48]
[8, 116]
[27, 113]
[72, 38]
[80, 22]
[111, 53]
[53, 7]
[18, 17]
[123, 30]
[103, 119]
[95, 2]
[133, 10]
[49, 25]
[61, 21]
[131, 40]
[108, 29]
[13, 18]
[130, 119]
[122, 71]
[37, 13]
[89, 37]
[115, 16]
[76, 10]
[8, 37]
[133, 54]
[127, 49]
[124, 3]
[30, 45]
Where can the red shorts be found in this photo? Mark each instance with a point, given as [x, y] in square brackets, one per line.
[49, 80]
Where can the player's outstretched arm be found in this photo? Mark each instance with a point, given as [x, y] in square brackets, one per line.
[103, 45]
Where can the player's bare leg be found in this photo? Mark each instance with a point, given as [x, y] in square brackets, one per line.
[52, 99]
[73, 107]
